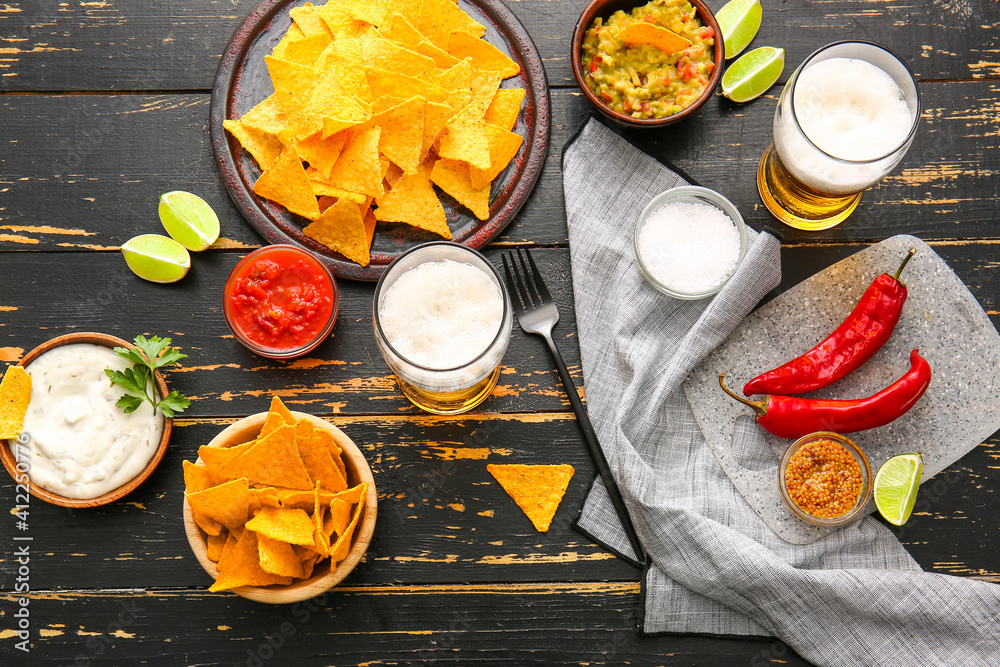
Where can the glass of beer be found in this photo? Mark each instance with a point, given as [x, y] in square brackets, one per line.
[844, 120]
[443, 320]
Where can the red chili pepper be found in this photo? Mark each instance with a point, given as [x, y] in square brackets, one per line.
[861, 335]
[793, 417]
[593, 65]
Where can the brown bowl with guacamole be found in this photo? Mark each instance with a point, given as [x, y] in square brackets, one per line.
[647, 65]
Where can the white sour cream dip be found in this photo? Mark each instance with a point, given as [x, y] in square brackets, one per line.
[81, 444]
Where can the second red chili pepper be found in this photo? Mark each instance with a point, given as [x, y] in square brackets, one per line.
[793, 417]
[861, 335]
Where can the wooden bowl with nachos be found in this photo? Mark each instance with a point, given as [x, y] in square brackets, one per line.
[279, 507]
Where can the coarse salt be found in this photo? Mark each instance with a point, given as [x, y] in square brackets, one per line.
[689, 247]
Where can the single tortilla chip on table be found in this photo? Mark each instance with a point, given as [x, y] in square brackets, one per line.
[15, 395]
[537, 489]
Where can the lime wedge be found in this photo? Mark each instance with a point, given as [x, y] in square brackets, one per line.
[189, 220]
[753, 73]
[740, 21]
[156, 258]
[896, 487]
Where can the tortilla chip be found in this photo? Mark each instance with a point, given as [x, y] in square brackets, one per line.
[453, 177]
[307, 51]
[211, 527]
[294, 33]
[264, 147]
[504, 146]
[215, 545]
[485, 84]
[654, 35]
[505, 108]
[321, 153]
[338, 518]
[267, 117]
[328, 193]
[384, 83]
[353, 495]
[197, 478]
[341, 228]
[277, 557]
[402, 133]
[293, 86]
[308, 19]
[339, 550]
[456, 77]
[484, 55]
[336, 453]
[15, 394]
[317, 458]
[331, 100]
[218, 459]
[358, 168]
[285, 182]
[438, 18]
[369, 11]
[241, 567]
[537, 489]
[464, 137]
[303, 500]
[412, 200]
[274, 460]
[225, 503]
[379, 52]
[308, 563]
[396, 28]
[294, 526]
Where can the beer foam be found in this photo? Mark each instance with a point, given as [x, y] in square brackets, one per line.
[441, 314]
[851, 109]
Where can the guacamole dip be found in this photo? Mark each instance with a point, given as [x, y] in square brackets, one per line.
[642, 80]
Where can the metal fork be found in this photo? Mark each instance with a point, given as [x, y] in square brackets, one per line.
[536, 313]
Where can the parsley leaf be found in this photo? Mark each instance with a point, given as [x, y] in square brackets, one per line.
[148, 355]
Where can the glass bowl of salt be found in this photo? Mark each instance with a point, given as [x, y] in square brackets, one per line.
[689, 241]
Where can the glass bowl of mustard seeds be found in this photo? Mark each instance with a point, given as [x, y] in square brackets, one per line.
[825, 479]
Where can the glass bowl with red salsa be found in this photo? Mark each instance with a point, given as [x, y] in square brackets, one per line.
[825, 479]
[281, 302]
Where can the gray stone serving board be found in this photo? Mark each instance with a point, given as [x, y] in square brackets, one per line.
[941, 317]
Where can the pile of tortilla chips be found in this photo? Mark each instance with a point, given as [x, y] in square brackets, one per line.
[15, 393]
[537, 489]
[376, 102]
[275, 506]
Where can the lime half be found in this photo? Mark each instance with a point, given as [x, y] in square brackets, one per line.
[156, 258]
[896, 487]
[740, 21]
[753, 73]
[189, 220]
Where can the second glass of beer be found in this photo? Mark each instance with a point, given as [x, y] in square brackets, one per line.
[844, 120]
[443, 320]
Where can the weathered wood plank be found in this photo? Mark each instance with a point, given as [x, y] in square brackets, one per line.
[545, 624]
[442, 517]
[344, 375]
[148, 45]
[78, 173]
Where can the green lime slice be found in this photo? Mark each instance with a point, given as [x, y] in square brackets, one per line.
[156, 258]
[189, 220]
[753, 73]
[896, 487]
[740, 21]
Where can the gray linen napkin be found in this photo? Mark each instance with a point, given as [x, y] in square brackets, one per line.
[853, 597]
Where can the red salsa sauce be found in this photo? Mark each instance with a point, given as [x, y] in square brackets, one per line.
[280, 299]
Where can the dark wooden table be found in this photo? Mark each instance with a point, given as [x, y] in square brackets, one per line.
[104, 106]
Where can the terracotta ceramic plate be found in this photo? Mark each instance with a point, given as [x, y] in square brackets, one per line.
[242, 81]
